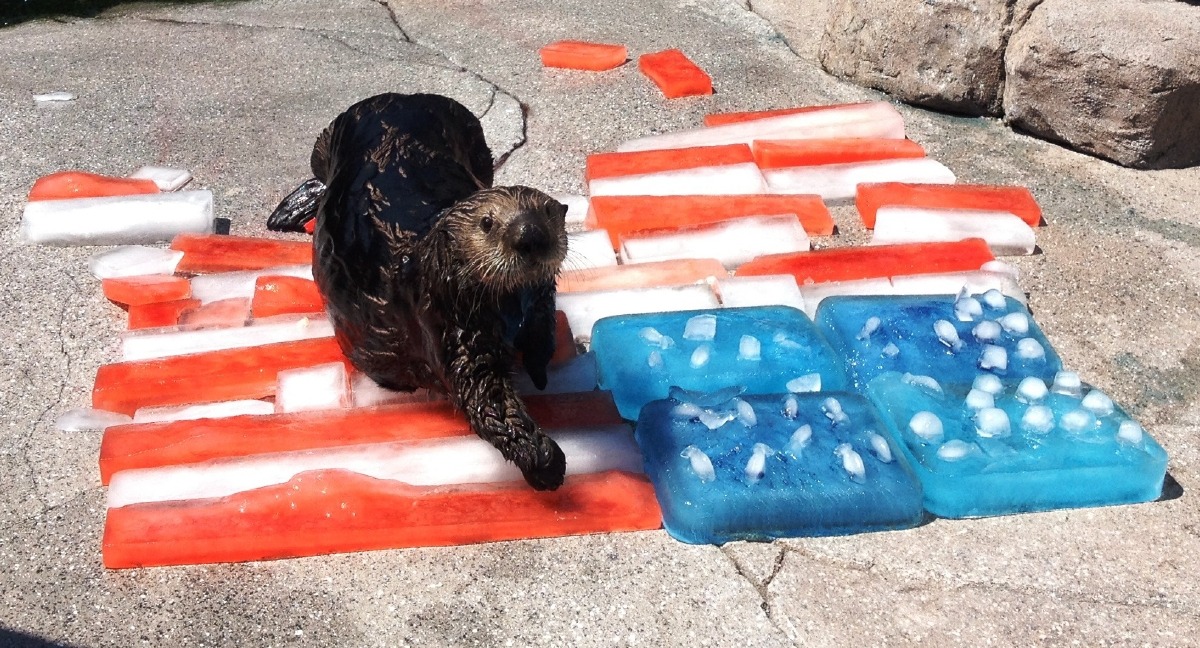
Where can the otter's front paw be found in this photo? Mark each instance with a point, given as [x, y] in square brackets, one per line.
[544, 465]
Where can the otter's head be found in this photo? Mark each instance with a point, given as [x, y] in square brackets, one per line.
[507, 238]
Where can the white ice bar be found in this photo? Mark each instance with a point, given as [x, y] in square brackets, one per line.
[321, 387]
[816, 292]
[877, 119]
[165, 178]
[590, 249]
[721, 180]
[115, 220]
[220, 409]
[953, 283]
[367, 393]
[766, 290]
[836, 182]
[577, 207]
[440, 462]
[240, 284]
[144, 344]
[1005, 233]
[583, 309]
[731, 242]
[86, 419]
[134, 261]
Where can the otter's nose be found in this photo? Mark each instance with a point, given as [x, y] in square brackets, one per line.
[527, 235]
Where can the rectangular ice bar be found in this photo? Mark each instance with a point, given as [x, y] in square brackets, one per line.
[240, 283]
[636, 163]
[769, 290]
[133, 260]
[221, 253]
[838, 181]
[145, 344]
[117, 220]
[621, 215]
[1016, 200]
[81, 184]
[949, 339]
[222, 409]
[161, 314]
[877, 119]
[224, 313]
[675, 74]
[279, 295]
[720, 119]
[146, 289]
[721, 180]
[1005, 233]
[763, 350]
[322, 387]
[165, 178]
[776, 466]
[584, 308]
[1012, 447]
[583, 55]
[589, 250]
[732, 242]
[675, 272]
[776, 154]
[849, 263]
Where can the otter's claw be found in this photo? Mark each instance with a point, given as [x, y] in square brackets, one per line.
[545, 466]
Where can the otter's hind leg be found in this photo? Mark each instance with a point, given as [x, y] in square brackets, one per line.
[480, 386]
[298, 208]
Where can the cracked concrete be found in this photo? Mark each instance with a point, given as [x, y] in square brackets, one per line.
[236, 92]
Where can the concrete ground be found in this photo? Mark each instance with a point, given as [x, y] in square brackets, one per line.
[237, 91]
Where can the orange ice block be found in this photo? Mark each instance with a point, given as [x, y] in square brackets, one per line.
[675, 74]
[776, 154]
[218, 253]
[621, 215]
[81, 184]
[564, 340]
[170, 443]
[276, 295]
[1017, 200]
[608, 165]
[228, 374]
[160, 314]
[222, 313]
[676, 272]
[329, 511]
[582, 55]
[720, 119]
[848, 263]
[146, 289]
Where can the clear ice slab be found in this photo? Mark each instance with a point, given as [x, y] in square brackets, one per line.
[763, 350]
[1031, 450]
[780, 465]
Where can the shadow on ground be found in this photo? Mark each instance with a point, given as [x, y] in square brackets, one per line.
[16, 639]
[19, 11]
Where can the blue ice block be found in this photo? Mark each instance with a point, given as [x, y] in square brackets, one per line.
[732, 467]
[950, 339]
[765, 349]
[1020, 449]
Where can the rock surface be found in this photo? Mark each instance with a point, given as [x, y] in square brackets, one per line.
[1115, 79]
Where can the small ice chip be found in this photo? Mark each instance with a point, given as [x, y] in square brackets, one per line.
[947, 334]
[1067, 382]
[791, 407]
[713, 420]
[84, 419]
[654, 361]
[1130, 432]
[1098, 403]
[986, 331]
[978, 399]
[1031, 390]
[701, 464]
[993, 357]
[881, 448]
[871, 325]
[1038, 419]
[701, 328]
[967, 309]
[58, 95]
[756, 468]
[806, 383]
[988, 383]
[700, 356]
[1030, 349]
[687, 410]
[651, 335]
[833, 411]
[891, 350]
[749, 348]
[995, 299]
[800, 438]
[928, 383]
[992, 422]
[852, 463]
[745, 413]
[1077, 421]
[782, 340]
[954, 450]
[1015, 323]
[927, 426]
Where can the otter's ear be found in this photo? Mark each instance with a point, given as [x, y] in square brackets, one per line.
[559, 209]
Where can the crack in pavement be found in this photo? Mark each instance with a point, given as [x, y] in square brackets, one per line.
[763, 588]
[23, 452]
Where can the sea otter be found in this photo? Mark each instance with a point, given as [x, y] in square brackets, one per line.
[431, 277]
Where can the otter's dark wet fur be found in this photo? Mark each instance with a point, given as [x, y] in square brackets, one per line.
[431, 277]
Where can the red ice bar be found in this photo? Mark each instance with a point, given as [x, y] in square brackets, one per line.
[676, 272]
[276, 295]
[329, 511]
[564, 340]
[622, 215]
[146, 289]
[160, 313]
[582, 55]
[609, 165]
[849, 263]
[171, 443]
[228, 374]
[81, 184]
[1016, 200]
[776, 154]
[203, 253]
[675, 74]
[720, 119]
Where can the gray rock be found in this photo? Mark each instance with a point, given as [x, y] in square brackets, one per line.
[1116, 79]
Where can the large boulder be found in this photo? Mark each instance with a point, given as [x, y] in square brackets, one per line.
[1113, 78]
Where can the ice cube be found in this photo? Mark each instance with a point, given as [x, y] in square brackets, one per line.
[927, 426]
[165, 178]
[891, 350]
[86, 419]
[1017, 323]
[947, 334]
[1130, 432]
[1030, 349]
[134, 261]
[700, 463]
[1067, 382]
[833, 410]
[988, 383]
[654, 360]
[924, 382]
[687, 410]
[994, 299]
[880, 446]
[701, 328]
[1078, 421]
[713, 419]
[992, 422]
[1098, 403]
[986, 331]
[799, 439]
[756, 467]
[1038, 419]
[852, 463]
[791, 406]
[1031, 390]
[955, 450]
[978, 399]
[993, 357]
[745, 413]
[869, 328]
[700, 356]
[749, 348]
[652, 336]
[806, 383]
[967, 309]
[324, 386]
[117, 220]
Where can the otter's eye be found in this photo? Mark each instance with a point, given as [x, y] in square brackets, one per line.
[486, 223]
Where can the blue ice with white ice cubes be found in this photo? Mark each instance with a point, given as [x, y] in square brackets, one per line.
[992, 447]
[730, 466]
[764, 350]
[949, 338]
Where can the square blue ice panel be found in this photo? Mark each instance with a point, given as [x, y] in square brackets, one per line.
[1003, 448]
[950, 339]
[765, 350]
[728, 466]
